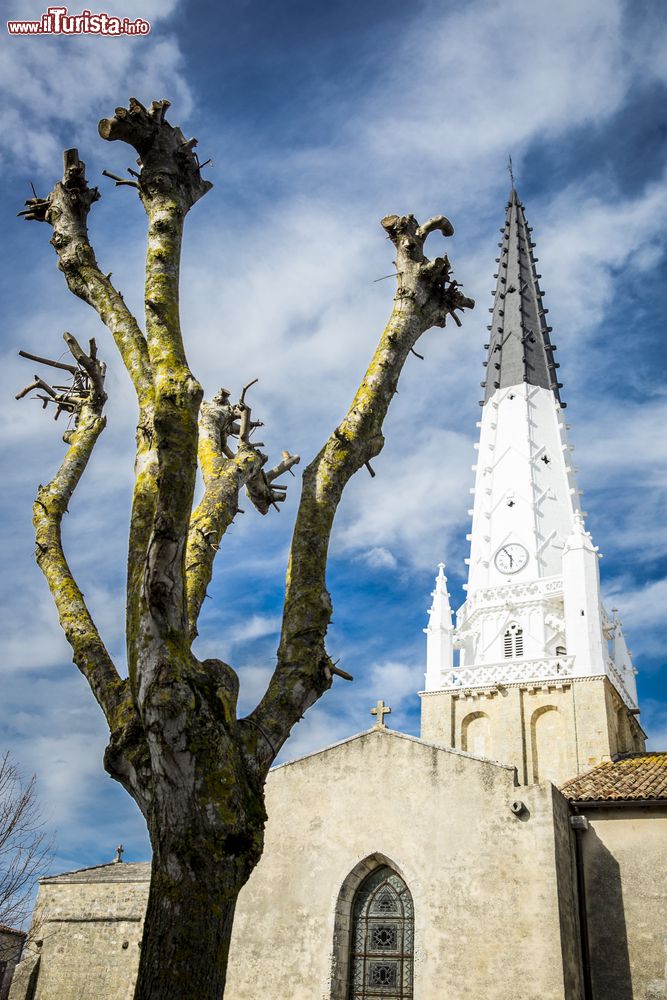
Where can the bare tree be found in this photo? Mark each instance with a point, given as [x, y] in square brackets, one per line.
[194, 768]
[25, 848]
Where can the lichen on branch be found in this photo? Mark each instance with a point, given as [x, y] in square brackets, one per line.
[225, 471]
[426, 295]
[66, 209]
[84, 399]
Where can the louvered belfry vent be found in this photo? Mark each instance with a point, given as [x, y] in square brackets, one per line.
[508, 645]
[513, 641]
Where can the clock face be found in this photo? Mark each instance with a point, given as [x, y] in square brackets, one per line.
[511, 558]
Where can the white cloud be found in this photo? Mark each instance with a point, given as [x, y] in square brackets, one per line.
[643, 612]
[395, 681]
[256, 627]
[591, 237]
[379, 558]
[55, 88]
[475, 90]
[417, 500]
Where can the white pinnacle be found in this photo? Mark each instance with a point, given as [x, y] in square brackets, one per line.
[441, 611]
[439, 651]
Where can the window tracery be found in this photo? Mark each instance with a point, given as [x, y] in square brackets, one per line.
[382, 938]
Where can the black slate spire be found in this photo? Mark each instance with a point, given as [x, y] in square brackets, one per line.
[519, 346]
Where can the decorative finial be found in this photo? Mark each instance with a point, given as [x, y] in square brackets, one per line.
[119, 854]
[440, 582]
[380, 710]
[511, 172]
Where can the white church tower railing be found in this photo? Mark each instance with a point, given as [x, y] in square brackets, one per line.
[533, 611]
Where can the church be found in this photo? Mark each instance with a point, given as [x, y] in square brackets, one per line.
[517, 849]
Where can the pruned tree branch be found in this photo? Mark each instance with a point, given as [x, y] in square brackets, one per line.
[436, 224]
[86, 398]
[120, 181]
[169, 184]
[425, 297]
[225, 472]
[66, 210]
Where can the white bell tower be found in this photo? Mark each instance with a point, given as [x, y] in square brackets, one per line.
[532, 630]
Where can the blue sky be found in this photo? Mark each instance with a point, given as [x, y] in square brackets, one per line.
[320, 119]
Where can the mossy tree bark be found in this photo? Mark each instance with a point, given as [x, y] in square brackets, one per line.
[195, 769]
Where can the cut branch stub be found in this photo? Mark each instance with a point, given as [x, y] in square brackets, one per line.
[224, 472]
[85, 397]
[66, 209]
[427, 282]
[167, 159]
[263, 492]
[70, 197]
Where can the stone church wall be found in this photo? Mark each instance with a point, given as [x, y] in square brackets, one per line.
[625, 867]
[493, 894]
[11, 944]
[85, 934]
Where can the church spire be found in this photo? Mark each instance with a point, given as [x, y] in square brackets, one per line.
[519, 346]
[535, 682]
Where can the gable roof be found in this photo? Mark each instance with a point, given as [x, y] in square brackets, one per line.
[12, 930]
[385, 731]
[113, 871]
[631, 777]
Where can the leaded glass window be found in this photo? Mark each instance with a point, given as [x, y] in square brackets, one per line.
[382, 943]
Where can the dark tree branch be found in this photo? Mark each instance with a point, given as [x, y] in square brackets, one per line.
[25, 848]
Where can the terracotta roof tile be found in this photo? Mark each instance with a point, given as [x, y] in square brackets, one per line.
[632, 776]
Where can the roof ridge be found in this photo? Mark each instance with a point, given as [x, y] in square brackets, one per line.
[385, 730]
[92, 868]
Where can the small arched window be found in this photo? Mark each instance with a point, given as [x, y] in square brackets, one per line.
[382, 938]
[513, 641]
[476, 734]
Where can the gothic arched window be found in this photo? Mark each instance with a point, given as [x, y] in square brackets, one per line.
[513, 642]
[382, 938]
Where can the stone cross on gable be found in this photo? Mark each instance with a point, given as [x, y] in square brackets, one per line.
[380, 710]
[119, 853]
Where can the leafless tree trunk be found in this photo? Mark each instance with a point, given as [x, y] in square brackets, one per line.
[25, 848]
[195, 769]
